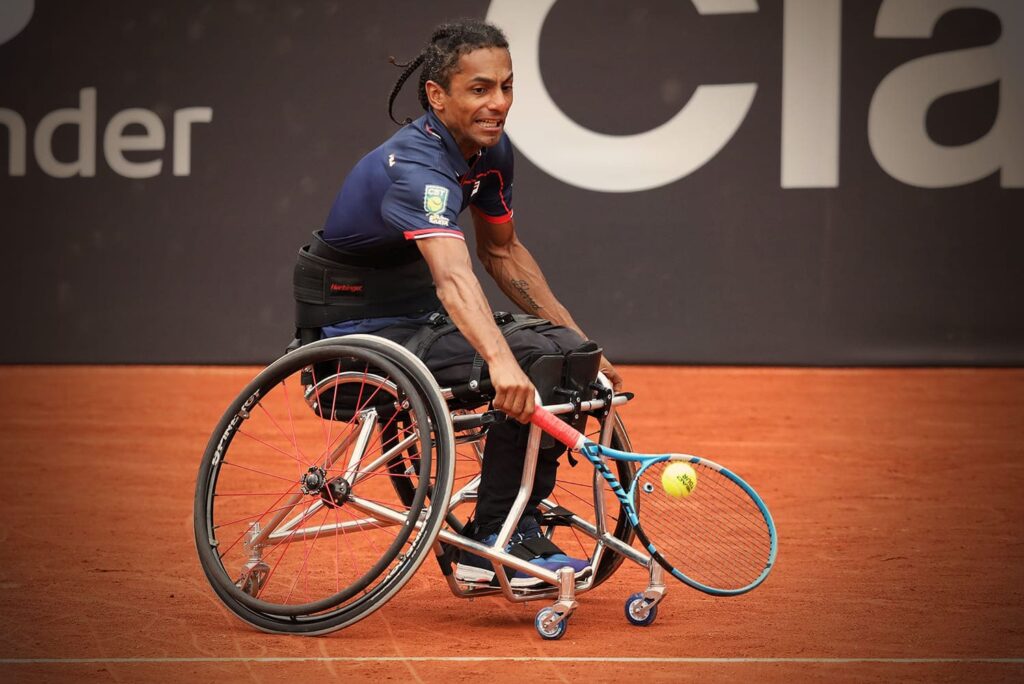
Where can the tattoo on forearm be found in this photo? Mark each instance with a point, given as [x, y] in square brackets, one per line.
[523, 287]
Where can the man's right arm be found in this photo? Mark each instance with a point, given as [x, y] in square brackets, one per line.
[464, 300]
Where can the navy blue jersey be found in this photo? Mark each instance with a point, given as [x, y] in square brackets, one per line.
[415, 186]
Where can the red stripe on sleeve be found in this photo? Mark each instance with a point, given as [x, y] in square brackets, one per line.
[507, 216]
[504, 218]
[421, 233]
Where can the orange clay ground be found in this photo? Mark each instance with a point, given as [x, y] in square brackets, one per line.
[897, 496]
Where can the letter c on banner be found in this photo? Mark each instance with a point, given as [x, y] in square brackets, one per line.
[614, 163]
[14, 17]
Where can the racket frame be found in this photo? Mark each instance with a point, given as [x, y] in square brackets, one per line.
[545, 419]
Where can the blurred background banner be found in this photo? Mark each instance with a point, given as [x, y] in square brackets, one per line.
[705, 181]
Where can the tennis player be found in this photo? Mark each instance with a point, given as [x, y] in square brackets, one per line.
[394, 255]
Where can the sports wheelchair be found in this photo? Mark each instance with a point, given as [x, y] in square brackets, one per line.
[343, 465]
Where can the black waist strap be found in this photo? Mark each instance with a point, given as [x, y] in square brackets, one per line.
[332, 286]
[407, 254]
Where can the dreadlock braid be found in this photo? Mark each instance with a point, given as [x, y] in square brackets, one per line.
[440, 57]
[409, 68]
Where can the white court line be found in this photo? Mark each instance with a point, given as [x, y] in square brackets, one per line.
[513, 659]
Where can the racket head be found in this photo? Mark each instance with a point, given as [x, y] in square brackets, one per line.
[720, 539]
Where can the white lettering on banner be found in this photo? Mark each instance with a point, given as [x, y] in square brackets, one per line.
[16, 136]
[183, 120]
[810, 93]
[85, 119]
[725, 6]
[896, 118]
[115, 140]
[14, 17]
[810, 104]
[614, 163]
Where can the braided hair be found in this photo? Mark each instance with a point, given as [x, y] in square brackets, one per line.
[440, 57]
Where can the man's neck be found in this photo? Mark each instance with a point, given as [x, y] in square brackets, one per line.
[468, 149]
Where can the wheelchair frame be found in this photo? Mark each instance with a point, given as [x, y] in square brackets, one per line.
[408, 386]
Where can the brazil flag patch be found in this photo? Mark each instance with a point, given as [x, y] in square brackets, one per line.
[435, 199]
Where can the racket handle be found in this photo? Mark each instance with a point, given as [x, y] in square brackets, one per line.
[564, 433]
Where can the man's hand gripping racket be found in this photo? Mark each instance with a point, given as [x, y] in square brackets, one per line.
[720, 538]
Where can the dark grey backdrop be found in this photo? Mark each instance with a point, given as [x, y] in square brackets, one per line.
[721, 266]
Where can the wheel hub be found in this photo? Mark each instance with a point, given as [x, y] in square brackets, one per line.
[334, 492]
[314, 480]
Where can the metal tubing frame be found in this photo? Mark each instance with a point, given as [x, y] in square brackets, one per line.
[497, 556]
[264, 535]
[379, 516]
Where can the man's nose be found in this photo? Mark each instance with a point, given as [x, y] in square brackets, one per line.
[501, 100]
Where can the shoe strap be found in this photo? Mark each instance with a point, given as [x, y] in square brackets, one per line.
[529, 549]
[559, 515]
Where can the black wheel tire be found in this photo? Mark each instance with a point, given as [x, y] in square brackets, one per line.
[645, 621]
[435, 454]
[625, 471]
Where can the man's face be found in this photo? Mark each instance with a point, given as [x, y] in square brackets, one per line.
[478, 99]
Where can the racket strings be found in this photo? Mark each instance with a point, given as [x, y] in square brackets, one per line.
[716, 536]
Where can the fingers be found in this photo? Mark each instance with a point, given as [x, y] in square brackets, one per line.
[613, 375]
[517, 404]
[523, 407]
[514, 394]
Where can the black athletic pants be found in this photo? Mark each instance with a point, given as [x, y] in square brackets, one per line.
[450, 359]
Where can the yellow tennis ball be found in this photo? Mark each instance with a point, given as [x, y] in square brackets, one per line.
[679, 479]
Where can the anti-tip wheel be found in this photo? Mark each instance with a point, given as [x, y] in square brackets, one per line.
[550, 632]
[637, 611]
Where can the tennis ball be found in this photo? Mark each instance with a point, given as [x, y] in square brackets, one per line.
[679, 479]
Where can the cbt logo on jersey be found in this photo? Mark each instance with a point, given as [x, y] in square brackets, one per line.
[810, 104]
[14, 17]
[435, 200]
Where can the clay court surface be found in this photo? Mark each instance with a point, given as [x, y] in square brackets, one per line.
[897, 496]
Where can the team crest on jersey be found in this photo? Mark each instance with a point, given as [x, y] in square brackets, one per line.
[435, 199]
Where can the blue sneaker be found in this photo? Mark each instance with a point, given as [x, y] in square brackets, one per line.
[528, 543]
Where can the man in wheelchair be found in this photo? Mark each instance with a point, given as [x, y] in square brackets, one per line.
[392, 261]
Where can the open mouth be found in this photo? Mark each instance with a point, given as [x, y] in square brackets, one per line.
[490, 124]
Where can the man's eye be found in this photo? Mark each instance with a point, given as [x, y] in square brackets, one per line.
[478, 91]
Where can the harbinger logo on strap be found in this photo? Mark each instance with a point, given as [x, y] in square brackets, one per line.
[346, 288]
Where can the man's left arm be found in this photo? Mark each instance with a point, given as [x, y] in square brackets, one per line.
[518, 275]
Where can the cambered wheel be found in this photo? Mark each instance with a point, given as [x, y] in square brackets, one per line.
[301, 479]
[623, 530]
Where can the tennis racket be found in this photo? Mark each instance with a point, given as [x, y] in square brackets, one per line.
[720, 539]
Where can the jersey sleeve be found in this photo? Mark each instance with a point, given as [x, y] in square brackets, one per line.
[493, 195]
[423, 203]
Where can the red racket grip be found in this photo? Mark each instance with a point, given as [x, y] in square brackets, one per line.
[564, 433]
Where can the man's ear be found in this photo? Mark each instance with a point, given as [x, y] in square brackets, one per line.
[436, 95]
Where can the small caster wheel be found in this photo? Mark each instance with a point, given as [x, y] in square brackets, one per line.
[552, 632]
[637, 611]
